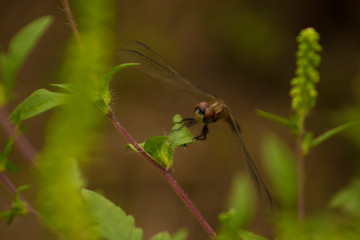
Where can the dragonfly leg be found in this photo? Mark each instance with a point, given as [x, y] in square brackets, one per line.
[186, 122]
[203, 134]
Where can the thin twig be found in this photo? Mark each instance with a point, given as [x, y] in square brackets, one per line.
[21, 142]
[71, 19]
[167, 175]
[11, 187]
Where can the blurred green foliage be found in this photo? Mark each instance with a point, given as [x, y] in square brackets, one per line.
[280, 165]
[18, 208]
[71, 133]
[241, 207]
[19, 48]
[39, 101]
[114, 224]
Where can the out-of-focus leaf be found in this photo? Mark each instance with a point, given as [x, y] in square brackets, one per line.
[112, 220]
[38, 102]
[242, 208]
[19, 48]
[68, 87]
[180, 235]
[18, 208]
[11, 166]
[307, 143]
[348, 199]
[161, 236]
[291, 123]
[246, 235]
[332, 132]
[280, 166]
[2, 94]
[4, 163]
[273, 117]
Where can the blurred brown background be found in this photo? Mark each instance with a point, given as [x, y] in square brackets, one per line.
[242, 51]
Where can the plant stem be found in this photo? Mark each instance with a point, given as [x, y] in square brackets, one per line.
[21, 142]
[11, 187]
[167, 175]
[301, 172]
[71, 19]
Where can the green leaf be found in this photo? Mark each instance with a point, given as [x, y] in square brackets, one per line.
[4, 163]
[67, 87]
[18, 208]
[242, 208]
[179, 235]
[348, 199]
[5, 215]
[292, 123]
[281, 168]
[331, 133]
[157, 147]
[103, 95]
[38, 102]
[19, 48]
[307, 143]
[11, 166]
[22, 188]
[161, 148]
[273, 117]
[112, 220]
[179, 135]
[2, 94]
[129, 145]
[161, 236]
[246, 235]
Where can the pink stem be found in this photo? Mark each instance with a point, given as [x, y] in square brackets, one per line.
[21, 142]
[11, 187]
[167, 175]
[71, 19]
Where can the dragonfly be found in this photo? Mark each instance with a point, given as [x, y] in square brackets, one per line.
[212, 109]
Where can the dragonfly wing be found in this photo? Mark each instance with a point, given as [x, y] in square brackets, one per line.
[262, 191]
[148, 52]
[157, 67]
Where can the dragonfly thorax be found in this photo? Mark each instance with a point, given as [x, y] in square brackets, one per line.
[210, 112]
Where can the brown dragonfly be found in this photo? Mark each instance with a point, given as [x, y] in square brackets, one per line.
[211, 110]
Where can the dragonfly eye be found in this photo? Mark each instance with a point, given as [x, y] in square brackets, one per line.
[209, 113]
[202, 105]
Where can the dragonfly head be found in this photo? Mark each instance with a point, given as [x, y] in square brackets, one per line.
[204, 113]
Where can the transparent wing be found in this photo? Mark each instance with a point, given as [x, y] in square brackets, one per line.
[148, 52]
[263, 192]
[157, 67]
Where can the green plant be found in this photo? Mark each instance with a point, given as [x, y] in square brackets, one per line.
[304, 93]
[287, 170]
[83, 98]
